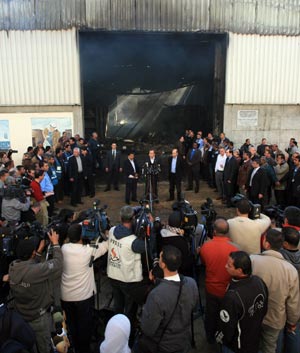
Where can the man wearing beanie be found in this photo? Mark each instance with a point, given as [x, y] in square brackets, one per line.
[173, 234]
[31, 286]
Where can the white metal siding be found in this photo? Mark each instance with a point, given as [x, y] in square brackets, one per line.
[263, 70]
[39, 68]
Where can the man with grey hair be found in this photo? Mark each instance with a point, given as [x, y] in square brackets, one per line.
[124, 266]
[75, 172]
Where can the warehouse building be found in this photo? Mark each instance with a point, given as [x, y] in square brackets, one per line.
[149, 68]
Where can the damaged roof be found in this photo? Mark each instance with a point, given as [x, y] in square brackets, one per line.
[267, 17]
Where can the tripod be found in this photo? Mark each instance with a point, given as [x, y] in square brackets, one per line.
[148, 195]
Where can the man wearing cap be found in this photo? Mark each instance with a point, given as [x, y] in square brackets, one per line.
[31, 286]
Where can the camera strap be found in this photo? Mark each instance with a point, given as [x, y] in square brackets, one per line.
[171, 317]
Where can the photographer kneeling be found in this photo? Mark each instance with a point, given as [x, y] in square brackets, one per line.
[78, 287]
[31, 286]
[246, 232]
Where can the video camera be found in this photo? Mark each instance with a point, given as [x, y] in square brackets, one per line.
[275, 213]
[142, 223]
[208, 216]
[189, 219]
[96, 223]
[255, 210]
[151, 169]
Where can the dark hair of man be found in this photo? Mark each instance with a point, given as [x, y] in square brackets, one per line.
[291, 236]
[221, 226]
[72, 139]
[243, 206]
[292, 214]
[242, 260]
[297, 157]
[248, 154]
[38, 173]
[230, 151]
[171, 256]
[3, 172]
[19, 167]
[274, 237]
[281, 155]
[74, 233]
[57, 150]
[36, 149]
[29, 148]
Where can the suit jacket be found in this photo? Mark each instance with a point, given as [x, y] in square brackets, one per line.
[179, 167]
[231, 170]
[294, 182]
[259, 183]
[73, 167]
[111, 163]
[87, 164]
[195, 161]
[128, 169]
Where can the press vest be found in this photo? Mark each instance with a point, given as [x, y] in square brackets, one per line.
[122, 263]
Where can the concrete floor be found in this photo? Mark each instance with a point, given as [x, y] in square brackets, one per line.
[115, 200]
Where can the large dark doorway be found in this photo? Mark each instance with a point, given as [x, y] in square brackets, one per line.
[152, 86]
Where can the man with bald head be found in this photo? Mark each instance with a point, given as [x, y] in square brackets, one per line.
[214, 255]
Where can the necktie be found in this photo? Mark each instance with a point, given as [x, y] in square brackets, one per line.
[114, 154]
[192, 154]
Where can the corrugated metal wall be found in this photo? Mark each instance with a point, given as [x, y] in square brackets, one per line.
[263, 70]
[238, 16]
[39, 68]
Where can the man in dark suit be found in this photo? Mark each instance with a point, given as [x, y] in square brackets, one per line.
[88, 168]
[230, 176]
[175, 174]
[131, 171]
[113, 167]
[257, 183]
[75, 172]
[293, 184]
[193, 167]
[152, 164]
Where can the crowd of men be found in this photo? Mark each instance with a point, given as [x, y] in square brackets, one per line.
[252, 300]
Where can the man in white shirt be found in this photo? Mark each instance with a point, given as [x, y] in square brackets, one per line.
[78, 287]
[219, 171]
[246, 232]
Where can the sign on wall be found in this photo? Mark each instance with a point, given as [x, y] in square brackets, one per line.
[48, 131]
[4, 135]
[247, 118]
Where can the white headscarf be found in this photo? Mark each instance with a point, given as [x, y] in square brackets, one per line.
[116, 335]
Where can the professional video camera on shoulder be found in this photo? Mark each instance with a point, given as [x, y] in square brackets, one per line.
[142, 223]
[96, 223]
[255, 209]
[15, 192]
[189, 219]
[275, 213]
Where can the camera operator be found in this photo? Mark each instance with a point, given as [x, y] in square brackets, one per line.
[124, 264]
[31, 286]
[30, 215]
[173, 234]
[14, 201]
[246, 232]
[78, 286]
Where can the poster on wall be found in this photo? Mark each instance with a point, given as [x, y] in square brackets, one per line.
[48, 131]
[4, 135]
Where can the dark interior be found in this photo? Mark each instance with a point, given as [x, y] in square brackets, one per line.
[152, 86]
